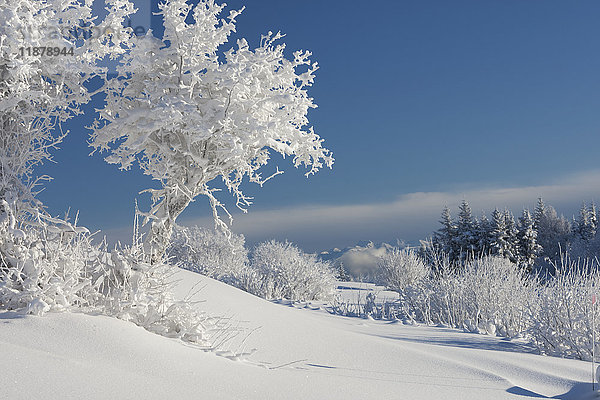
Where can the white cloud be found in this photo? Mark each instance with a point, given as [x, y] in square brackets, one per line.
[410, 217]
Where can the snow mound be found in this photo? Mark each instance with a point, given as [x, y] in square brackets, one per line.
[302, 353]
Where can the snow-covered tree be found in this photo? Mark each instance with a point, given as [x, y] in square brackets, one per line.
[529, 248]
[189, 113]
[593, 213]
[538, 214]
[553, 232]
[584, 243]
[444, 239]
[401, 268]
[49, 51]
[484, 235]
[594, 244]
[342, 275]
[512, 250]
[584, 226]
[499, 240]
[466, 230]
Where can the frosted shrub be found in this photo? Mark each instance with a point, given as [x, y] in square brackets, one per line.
[281, 270]
[141, 292]
[488, 295]
[500, 296]
[209, 252]
[50, 265]
[45, 266]
[403, 271]
[400, 268]
[563, 326]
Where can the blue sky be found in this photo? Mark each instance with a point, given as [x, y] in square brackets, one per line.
[423, 103]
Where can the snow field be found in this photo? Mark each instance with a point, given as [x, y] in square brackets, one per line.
[302, 353]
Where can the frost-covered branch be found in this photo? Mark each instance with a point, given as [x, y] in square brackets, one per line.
[39, 90]
[189, 113]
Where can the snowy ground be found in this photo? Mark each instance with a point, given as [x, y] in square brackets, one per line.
[303, 353]
[356, 292]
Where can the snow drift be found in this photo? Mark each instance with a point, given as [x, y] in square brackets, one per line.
[302, 353]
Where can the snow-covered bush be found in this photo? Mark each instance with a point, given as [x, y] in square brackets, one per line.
[488, 295]
[494, 296]
[141, 292]
[209, 252]
[282, 270]
[400, 268]
[563, 326]
[51, 265]
[501, 296]
[47, 267]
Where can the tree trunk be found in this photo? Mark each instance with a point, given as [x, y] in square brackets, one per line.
[158, 238]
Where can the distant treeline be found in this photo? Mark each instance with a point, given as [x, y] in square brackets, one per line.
[539, 236]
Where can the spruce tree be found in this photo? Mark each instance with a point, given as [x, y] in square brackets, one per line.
[498, 235]
[466, 236]
[539, 213]
[484, 235]
[444, 239]
[584, 230]
[554, 233]
[529, 248]
[512, 241]
[341, 274]
[594, 245]
[593, 219]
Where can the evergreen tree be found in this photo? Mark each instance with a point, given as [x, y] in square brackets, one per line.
[444, 239]
[467, 230]
[541, 236]
[594, 245]
[484, 235]
[341, 274]
[593, 219]
[553, 233]
[498, 235]
[539, 213]
[529, 248]
[563, 231]
[512, 241]
[584, 230]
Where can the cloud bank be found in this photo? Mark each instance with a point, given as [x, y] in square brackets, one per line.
[410, 217]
